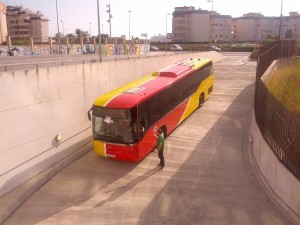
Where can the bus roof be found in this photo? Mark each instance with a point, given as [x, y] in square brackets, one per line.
[135, 92]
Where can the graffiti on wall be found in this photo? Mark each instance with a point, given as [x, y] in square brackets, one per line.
[107, 49]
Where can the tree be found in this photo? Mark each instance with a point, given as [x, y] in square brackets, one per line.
[71, 35]
[56, 35]
[81, 33]
[289, 34]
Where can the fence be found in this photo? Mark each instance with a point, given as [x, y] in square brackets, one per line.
[279, 127]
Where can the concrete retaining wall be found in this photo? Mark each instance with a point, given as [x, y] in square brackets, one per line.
[37, 105]
[282, 181]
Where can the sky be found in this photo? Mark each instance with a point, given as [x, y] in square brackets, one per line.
[146, 17]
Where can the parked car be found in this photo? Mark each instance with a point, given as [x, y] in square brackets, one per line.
[175, 47]
[215, 48]
[154, 48]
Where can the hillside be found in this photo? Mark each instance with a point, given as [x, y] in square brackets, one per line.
[285, 86]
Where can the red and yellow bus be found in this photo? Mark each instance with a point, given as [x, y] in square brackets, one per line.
[124, 119]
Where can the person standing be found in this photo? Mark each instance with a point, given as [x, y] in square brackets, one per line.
[160, 142]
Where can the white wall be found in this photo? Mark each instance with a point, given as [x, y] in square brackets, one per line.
[36, 105]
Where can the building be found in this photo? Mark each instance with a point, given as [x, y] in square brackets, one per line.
[3, 26]
[190, 25]
[220, 26]
[23, 24]
[196, 25]
[158, 38]
[256, 27]
[290, 26]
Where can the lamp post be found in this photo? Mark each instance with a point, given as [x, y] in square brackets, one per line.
[99, 32]
[281, 44]
[280, 21]
[90, 29]
[212, 4]
[129, 25]
[63, 27]
[211, 25]
[109, 18]
[57, 23]
[167, 32]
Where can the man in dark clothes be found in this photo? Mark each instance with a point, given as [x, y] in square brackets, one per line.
[160, 147]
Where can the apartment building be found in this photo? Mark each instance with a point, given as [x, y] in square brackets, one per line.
[190, 25]
[290, 26]
[256, 27]
[3, 27]
[23, 24]
[220, 27]
[196, 25]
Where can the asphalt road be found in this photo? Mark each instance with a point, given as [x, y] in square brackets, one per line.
[209, 177]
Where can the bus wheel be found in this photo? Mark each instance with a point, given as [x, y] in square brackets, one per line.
[201, 100]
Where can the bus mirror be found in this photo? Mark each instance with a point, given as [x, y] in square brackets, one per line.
[89, 114]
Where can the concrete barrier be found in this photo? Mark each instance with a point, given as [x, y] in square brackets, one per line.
[37, 105]
[282, 182]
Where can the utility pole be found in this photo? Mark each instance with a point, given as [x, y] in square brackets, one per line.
[211, 21]
[129, 25]
[280, 21]
[63, 27]
[281, 42]
[167, 32]
[99, 32]
[90, 29]
[109, 19]
[57, 28]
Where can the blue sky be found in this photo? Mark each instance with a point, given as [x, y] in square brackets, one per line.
[145, 17]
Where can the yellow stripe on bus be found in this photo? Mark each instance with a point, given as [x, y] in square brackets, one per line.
[104, 99]
[194, 99]
[99, 148]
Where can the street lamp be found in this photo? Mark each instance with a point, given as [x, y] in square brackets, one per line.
[129, 25]
[109, 18]
[63, 27]
[167, 32]
[281, 44]
[212, 4]
[57, 28]
[99, 32]
[90, 29]
[280, 20]
[211, 25]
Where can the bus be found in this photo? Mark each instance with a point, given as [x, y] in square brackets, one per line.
[123, 120]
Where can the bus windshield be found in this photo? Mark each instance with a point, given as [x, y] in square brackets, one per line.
[113, 125]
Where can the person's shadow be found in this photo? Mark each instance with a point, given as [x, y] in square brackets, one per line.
[118, 192]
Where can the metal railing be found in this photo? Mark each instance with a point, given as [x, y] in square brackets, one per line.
[279, 126]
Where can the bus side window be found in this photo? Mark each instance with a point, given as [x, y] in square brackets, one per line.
[141, 128]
